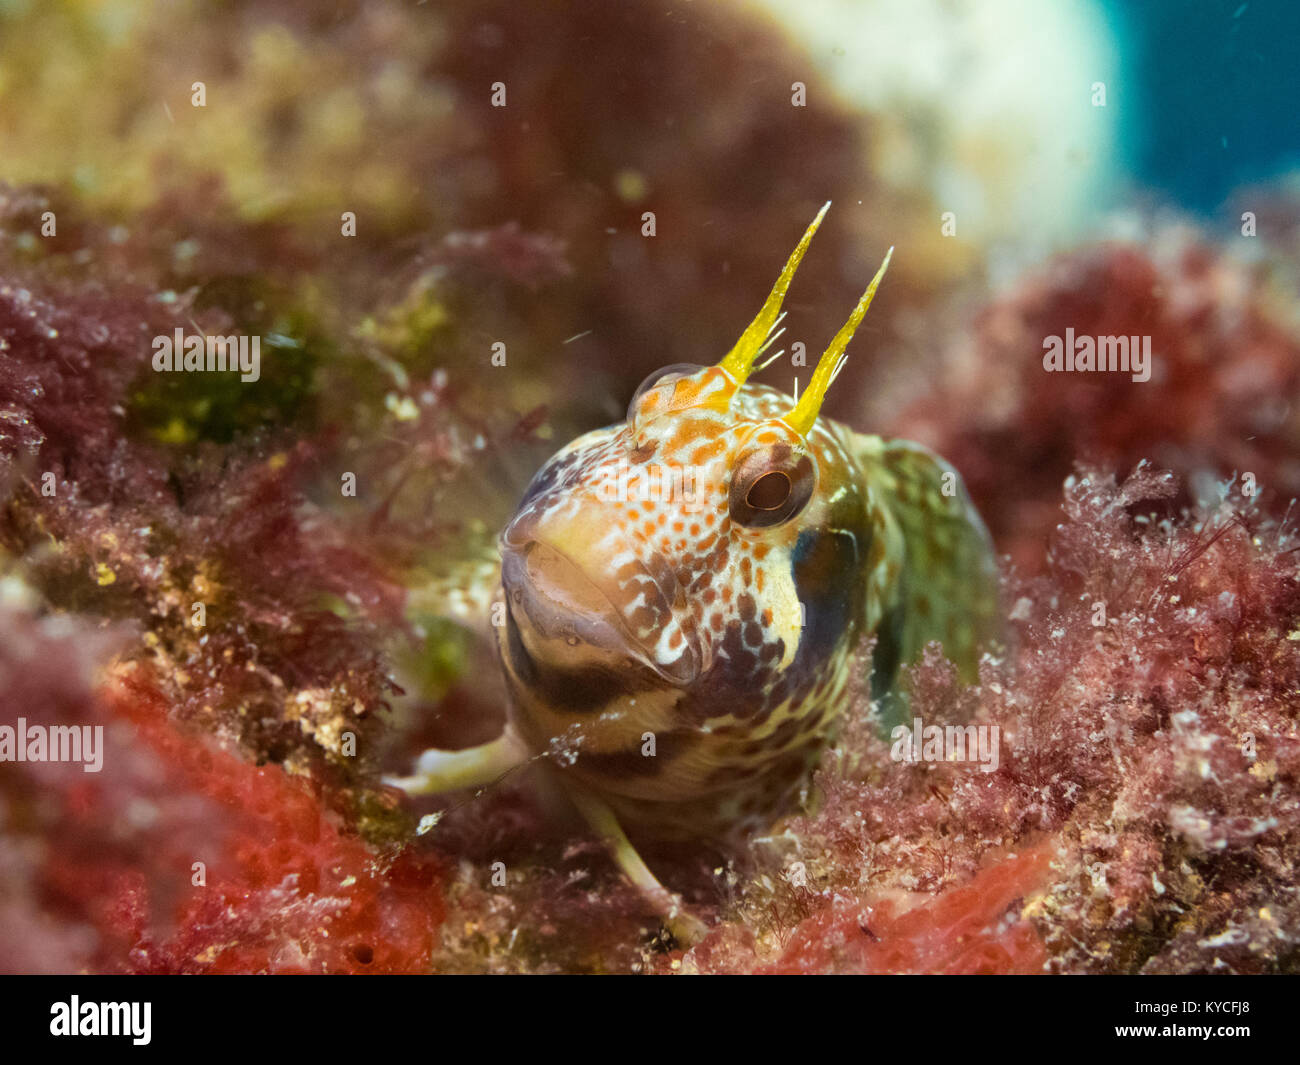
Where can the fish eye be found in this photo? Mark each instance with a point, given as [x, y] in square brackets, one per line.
[660, 376]
[770, 491]
[770, 485]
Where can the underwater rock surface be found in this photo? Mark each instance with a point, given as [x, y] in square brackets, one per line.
[1144, 812]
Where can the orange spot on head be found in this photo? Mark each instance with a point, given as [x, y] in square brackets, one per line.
[686, 392]
[705, 452]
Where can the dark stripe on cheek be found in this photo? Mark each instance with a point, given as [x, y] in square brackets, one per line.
[521, 663]
[632, 763]
[830, 585]
[578, 691]
[888, 653]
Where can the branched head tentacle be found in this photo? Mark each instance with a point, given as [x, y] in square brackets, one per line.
[739, 361]
[804, 414]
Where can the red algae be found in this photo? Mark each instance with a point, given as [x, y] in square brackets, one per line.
[1147, 717]
[977, 928]
[183, 858]
[1221, 399]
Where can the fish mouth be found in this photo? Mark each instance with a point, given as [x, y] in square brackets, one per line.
[560, 610]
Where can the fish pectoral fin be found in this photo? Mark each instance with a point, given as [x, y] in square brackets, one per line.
[947, 588]
[437, 771]
[686, 928]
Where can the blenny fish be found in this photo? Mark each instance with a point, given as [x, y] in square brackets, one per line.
[682, 594]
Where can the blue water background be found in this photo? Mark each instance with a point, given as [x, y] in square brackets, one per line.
[1210, 94]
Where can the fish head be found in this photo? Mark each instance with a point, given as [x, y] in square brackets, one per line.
[680, 544]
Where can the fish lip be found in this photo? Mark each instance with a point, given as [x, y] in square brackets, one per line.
[606, 628]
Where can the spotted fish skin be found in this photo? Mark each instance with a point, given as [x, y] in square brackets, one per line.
[641, 606]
